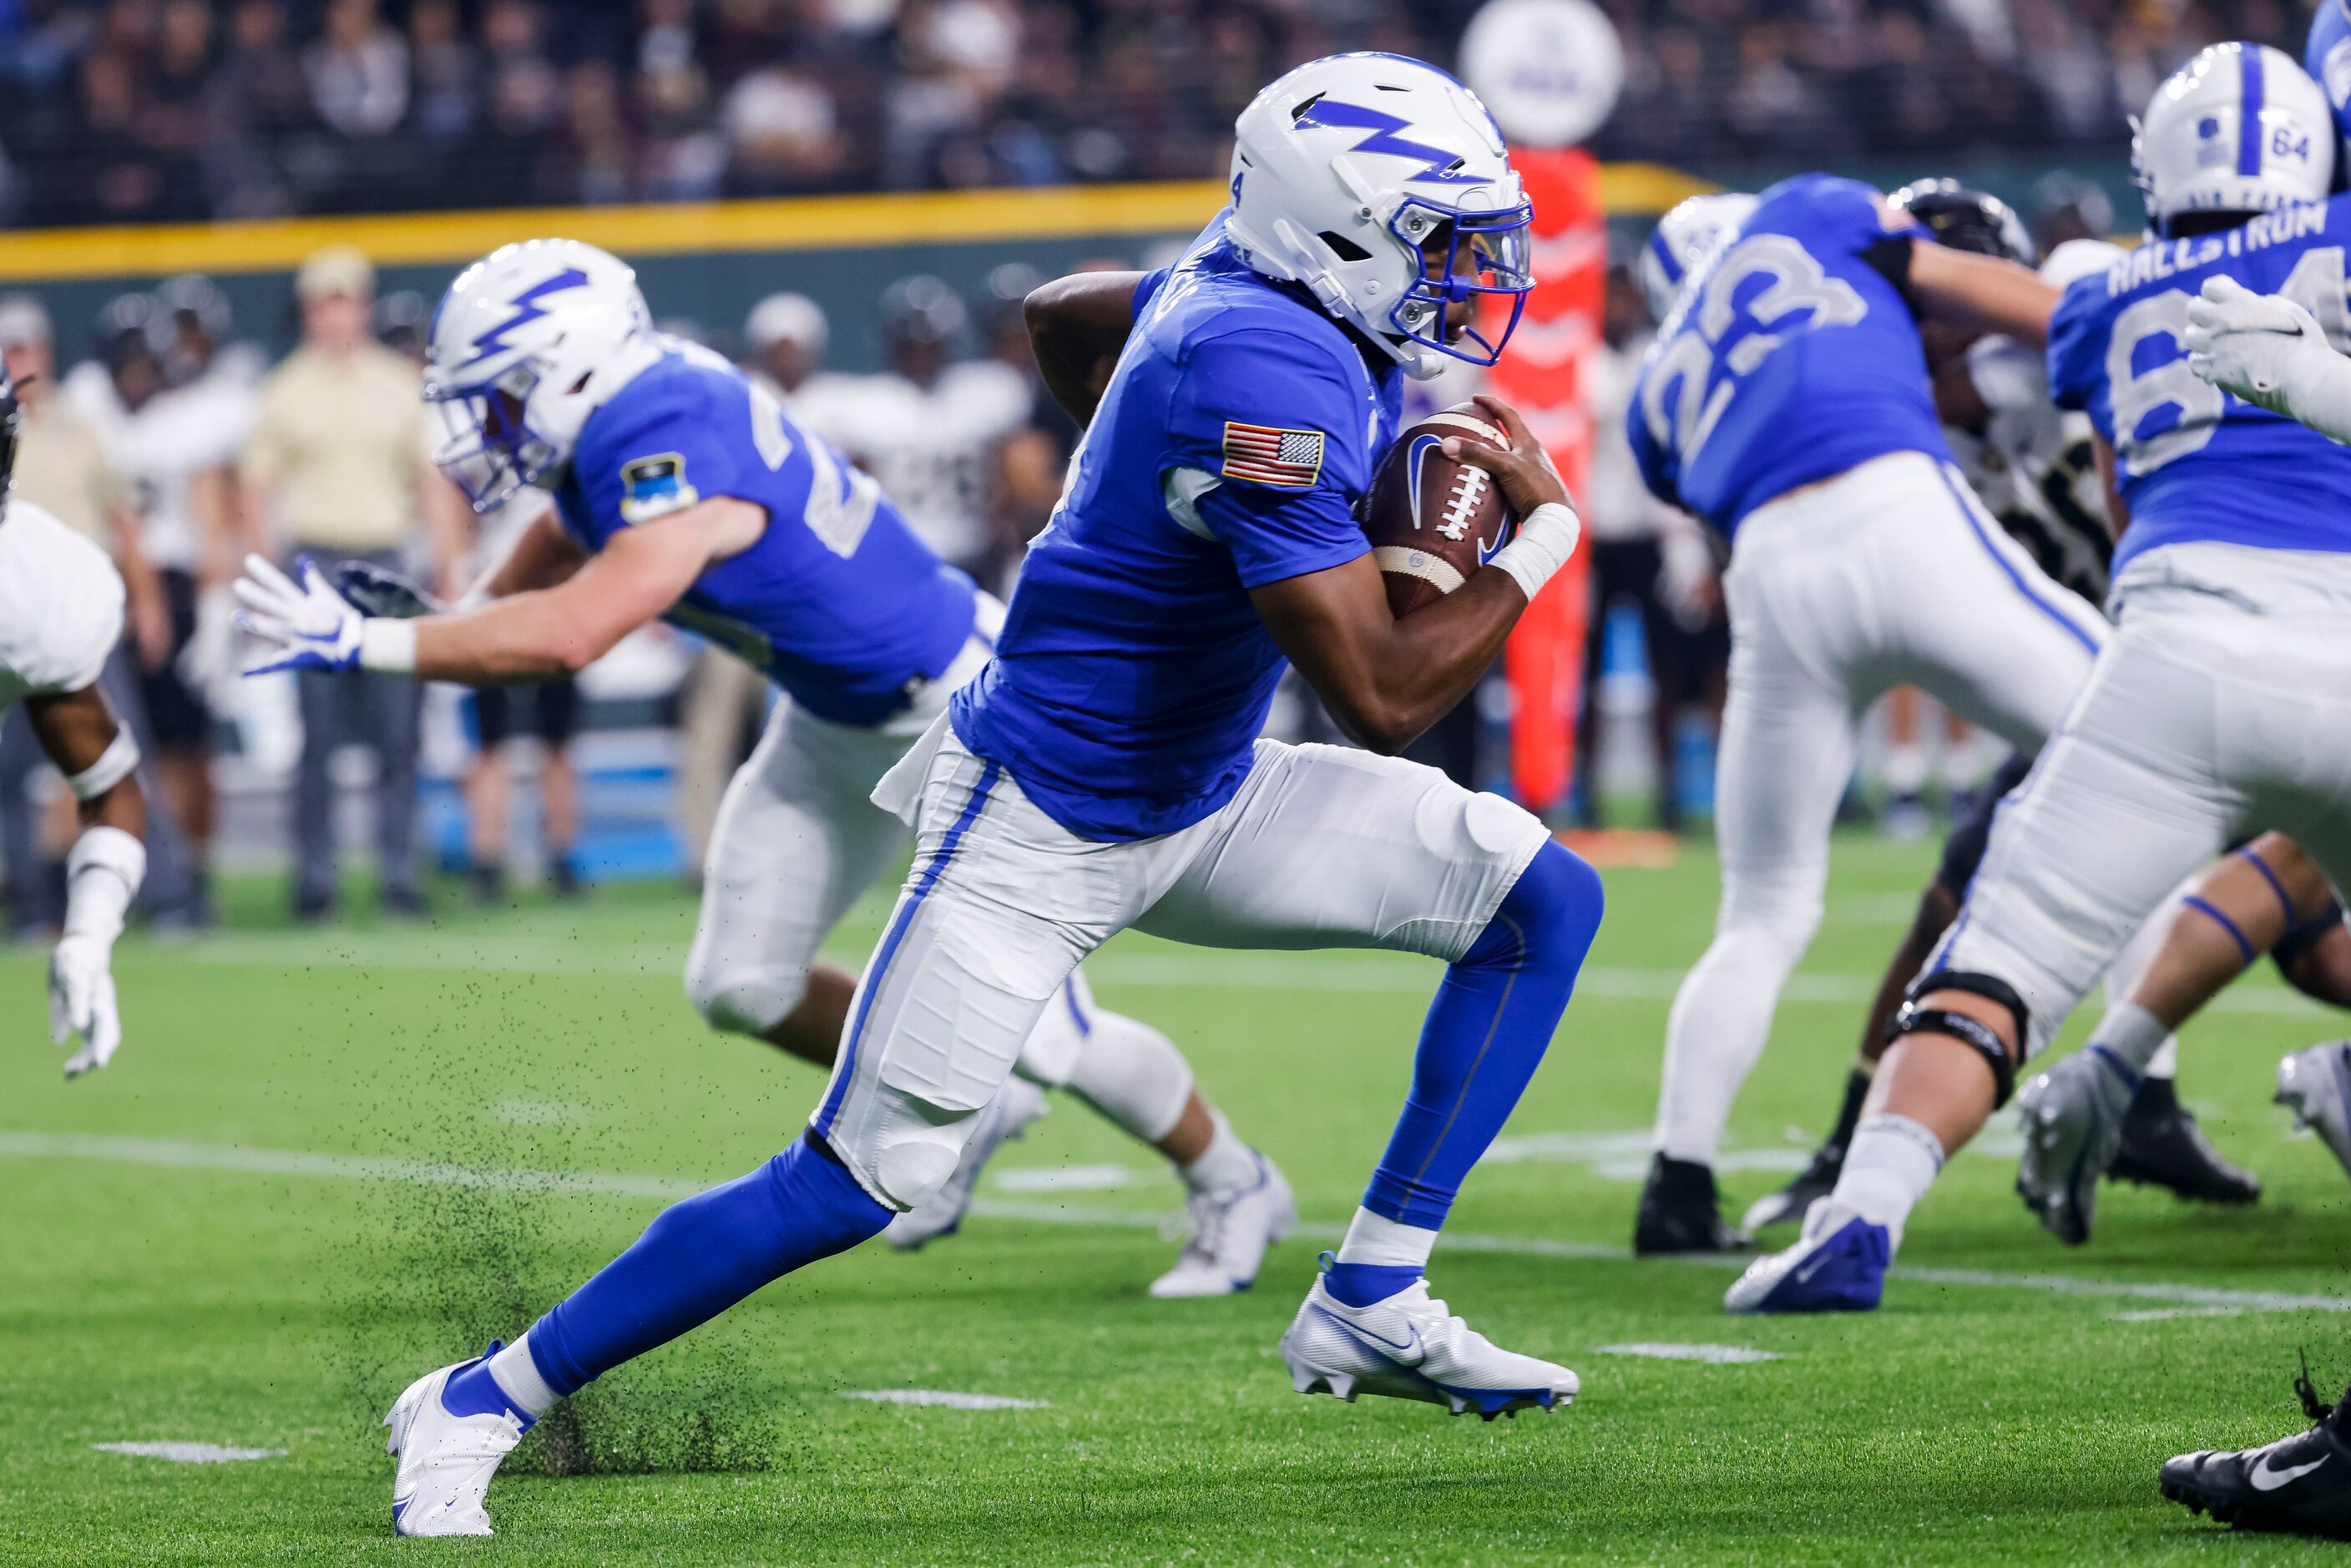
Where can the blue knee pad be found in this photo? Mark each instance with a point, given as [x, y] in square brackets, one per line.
[1486, 1033]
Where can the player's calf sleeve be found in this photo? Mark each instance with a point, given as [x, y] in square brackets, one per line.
[1892, 1163]
[1487, 1030]
[1133, 1075]
[701, 1257]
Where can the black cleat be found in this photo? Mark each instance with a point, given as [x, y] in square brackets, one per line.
[2300, 1484]
[1680, 1212]
[1787, 1206]
[2163, 1147]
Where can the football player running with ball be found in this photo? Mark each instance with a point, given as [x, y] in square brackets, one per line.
[60, 616]
[1787, 402]
[1104, 771]
[2222, 704]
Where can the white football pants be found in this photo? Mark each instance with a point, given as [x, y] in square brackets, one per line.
[1322, 847]
[798, 840]
[1890, 574]
[2222, 704]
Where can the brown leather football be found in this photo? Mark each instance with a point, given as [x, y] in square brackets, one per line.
[1432, 521]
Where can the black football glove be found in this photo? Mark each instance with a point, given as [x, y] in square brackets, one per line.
[379, 590]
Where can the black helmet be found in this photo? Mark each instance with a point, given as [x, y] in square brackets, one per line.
[1965, 219]
[922, 310]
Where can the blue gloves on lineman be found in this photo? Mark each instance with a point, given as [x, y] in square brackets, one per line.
[313, 627]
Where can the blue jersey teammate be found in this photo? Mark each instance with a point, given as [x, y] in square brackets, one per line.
[683, 491]
[1787, 401]
[2218, 707]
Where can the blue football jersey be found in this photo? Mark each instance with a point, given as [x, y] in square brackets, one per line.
[1238, 436]
[1790, 356]
[2191, 462]
[2327, 58]
[838, 601]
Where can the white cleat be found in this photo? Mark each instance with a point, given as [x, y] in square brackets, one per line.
[2072, 1116]
[1409, 1347]
[2315, 1085]
[1016, 1108]
[1230, 1232]
[446, 1462]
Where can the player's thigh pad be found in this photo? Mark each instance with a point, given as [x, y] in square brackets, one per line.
[1328, 847]
[795, 843]
[2122, 803]
[1000, 907]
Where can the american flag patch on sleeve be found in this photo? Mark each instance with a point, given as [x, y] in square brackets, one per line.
[1273, 456]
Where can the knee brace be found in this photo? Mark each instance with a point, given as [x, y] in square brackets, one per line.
[1971, 1032]
[743, 999]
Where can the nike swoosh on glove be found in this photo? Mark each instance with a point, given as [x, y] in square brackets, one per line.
[311, 627]
[81, 1001]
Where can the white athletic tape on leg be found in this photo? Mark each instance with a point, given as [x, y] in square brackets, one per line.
[114, 765]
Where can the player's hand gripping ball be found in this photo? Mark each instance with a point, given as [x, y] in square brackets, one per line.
[1449, 495]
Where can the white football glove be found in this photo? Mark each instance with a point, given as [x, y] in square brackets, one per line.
[311, 627]
[81, 1001]
[2269, 350]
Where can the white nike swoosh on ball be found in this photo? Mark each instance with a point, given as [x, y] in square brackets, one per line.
[2267, 1478]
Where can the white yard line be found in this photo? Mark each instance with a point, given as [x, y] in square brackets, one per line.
[945, 1397]
[190, 1453]
[1713, 1355]
[1351, 973]
[176, 1153]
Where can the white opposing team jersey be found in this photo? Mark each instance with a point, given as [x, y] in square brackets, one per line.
[933, 448]
[2035, 466]
[162, 446]
[60, 606]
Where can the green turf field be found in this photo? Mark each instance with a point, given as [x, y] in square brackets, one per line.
[308, 1178]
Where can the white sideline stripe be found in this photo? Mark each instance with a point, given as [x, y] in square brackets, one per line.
[429, 1173]
[2159, 1314]
[948, 1397]
[190, 1453]
[1713, 1355]
[1342, 972]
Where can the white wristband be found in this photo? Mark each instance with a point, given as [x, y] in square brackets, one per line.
[388, 646]
[1544, 541]
[104, 871]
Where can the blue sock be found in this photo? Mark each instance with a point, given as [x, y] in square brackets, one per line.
[471, 1391]
[1486, 1031]
[1360, 1284]
[700, 1257]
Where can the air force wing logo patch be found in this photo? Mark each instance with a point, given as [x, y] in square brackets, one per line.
[654, 487]
[1291, 459]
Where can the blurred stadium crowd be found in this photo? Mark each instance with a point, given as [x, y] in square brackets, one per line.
[123, 109]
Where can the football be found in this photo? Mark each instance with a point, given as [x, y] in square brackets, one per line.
[1433, 520]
